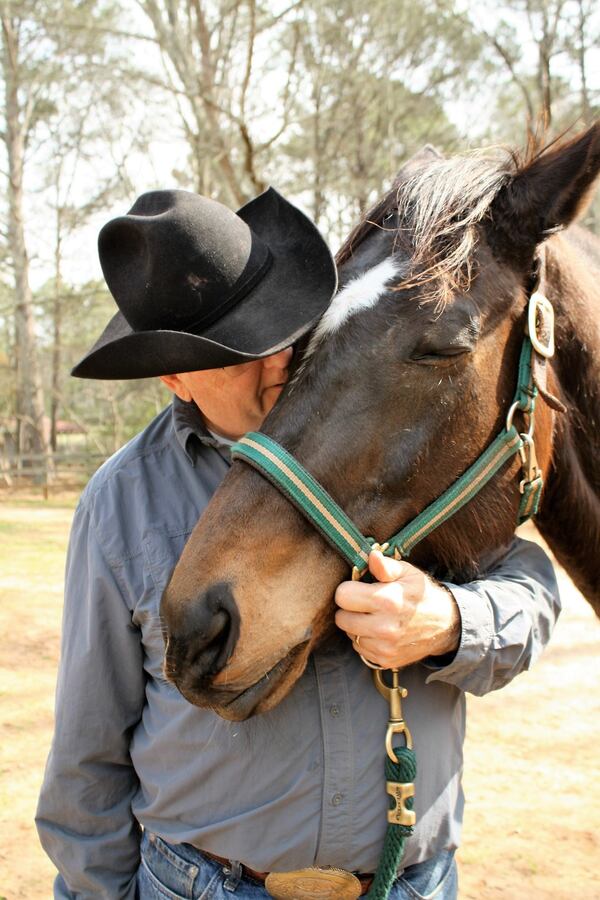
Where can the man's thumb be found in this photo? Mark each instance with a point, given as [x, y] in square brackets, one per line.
[384, 568]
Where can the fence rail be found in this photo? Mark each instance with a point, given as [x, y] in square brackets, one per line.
[57, 471]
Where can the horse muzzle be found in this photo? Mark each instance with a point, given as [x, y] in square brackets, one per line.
[235, 703]
[202, 636]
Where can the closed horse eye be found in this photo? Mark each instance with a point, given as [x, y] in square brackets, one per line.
[430, 356]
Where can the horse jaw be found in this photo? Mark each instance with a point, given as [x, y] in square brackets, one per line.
[283, 615]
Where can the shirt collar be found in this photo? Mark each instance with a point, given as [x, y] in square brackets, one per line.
[192, 433]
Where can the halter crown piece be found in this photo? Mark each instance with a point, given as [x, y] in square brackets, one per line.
[280, 468]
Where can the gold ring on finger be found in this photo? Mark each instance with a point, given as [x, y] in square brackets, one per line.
[370, 664]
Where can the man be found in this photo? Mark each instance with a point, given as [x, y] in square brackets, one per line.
[212, 302]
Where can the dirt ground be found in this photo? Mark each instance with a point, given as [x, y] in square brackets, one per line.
[532, 825]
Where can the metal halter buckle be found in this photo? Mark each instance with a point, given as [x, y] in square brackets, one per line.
[531, 469]
[539, 305]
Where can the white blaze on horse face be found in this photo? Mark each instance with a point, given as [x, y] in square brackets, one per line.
[360, 293]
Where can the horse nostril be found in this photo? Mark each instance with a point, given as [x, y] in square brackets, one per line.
[209, 649]
[206, 634]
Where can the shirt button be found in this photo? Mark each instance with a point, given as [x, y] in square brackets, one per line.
[336, 799]
[334, 710]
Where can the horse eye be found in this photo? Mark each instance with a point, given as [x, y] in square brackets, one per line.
[439, 355]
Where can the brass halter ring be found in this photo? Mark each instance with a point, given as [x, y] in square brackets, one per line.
[528, 435]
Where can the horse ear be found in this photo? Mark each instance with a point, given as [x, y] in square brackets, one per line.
[548, 193]
[427, 154]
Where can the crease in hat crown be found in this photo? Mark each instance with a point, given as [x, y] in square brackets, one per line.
[169, 270]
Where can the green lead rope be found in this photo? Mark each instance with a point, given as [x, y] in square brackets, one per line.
[404, 771]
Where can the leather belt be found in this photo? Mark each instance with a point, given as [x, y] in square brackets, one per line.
[290, 884]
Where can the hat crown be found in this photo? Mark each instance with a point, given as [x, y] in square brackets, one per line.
[178, 260]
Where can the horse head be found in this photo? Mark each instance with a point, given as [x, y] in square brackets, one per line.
[404, 382]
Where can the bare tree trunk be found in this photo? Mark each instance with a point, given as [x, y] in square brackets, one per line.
[586, 107]
[318, 195]
[545, 82]
[57, 309]
[30, 398]
[189, 51]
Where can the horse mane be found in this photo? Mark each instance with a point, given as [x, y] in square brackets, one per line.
[569, 518]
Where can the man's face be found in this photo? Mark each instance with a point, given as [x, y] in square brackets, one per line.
[235, 399]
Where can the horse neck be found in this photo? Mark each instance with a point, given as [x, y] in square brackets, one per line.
[570, 515]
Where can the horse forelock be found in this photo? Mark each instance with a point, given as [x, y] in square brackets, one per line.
[437, 212]
[440, 208]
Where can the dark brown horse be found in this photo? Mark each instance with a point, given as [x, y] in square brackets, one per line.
[405, 381]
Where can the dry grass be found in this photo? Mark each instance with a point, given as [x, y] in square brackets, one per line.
[532, 773]
[532, 770]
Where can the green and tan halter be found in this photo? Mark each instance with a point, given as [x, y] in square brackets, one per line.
[280, 468]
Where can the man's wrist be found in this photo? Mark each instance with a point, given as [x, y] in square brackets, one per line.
[447, 641]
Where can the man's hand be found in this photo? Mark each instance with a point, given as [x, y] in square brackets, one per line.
[402, 618]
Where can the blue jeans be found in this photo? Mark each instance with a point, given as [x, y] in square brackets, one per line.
[180, 872]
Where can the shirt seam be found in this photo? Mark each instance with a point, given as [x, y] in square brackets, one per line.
[118, 562]
[323, 760]
[94, 489]
[351, 774]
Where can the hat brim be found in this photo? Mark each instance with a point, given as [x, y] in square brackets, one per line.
[286, 303]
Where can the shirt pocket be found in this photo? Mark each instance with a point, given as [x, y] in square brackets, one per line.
[161, 551]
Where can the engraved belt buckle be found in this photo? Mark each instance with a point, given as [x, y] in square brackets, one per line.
[313, 884]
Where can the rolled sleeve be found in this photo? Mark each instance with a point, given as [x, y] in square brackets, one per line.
[84, 816]
[506, 621]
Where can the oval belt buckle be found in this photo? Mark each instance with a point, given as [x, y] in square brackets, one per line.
[313, 884]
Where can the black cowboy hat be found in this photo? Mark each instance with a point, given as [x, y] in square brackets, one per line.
[199, 286]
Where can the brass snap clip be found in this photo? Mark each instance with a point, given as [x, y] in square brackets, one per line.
[531, 469]
[394, 694]
[398, 791]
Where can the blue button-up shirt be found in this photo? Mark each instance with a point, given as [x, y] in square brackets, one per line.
[301, 785]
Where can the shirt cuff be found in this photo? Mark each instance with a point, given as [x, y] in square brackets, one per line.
[477, 631]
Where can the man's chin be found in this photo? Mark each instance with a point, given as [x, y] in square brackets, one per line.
[258, 698]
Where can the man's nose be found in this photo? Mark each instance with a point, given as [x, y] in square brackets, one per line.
[279, 360]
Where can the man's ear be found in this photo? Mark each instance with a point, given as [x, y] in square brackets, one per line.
[549, 192]
[176, 386]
